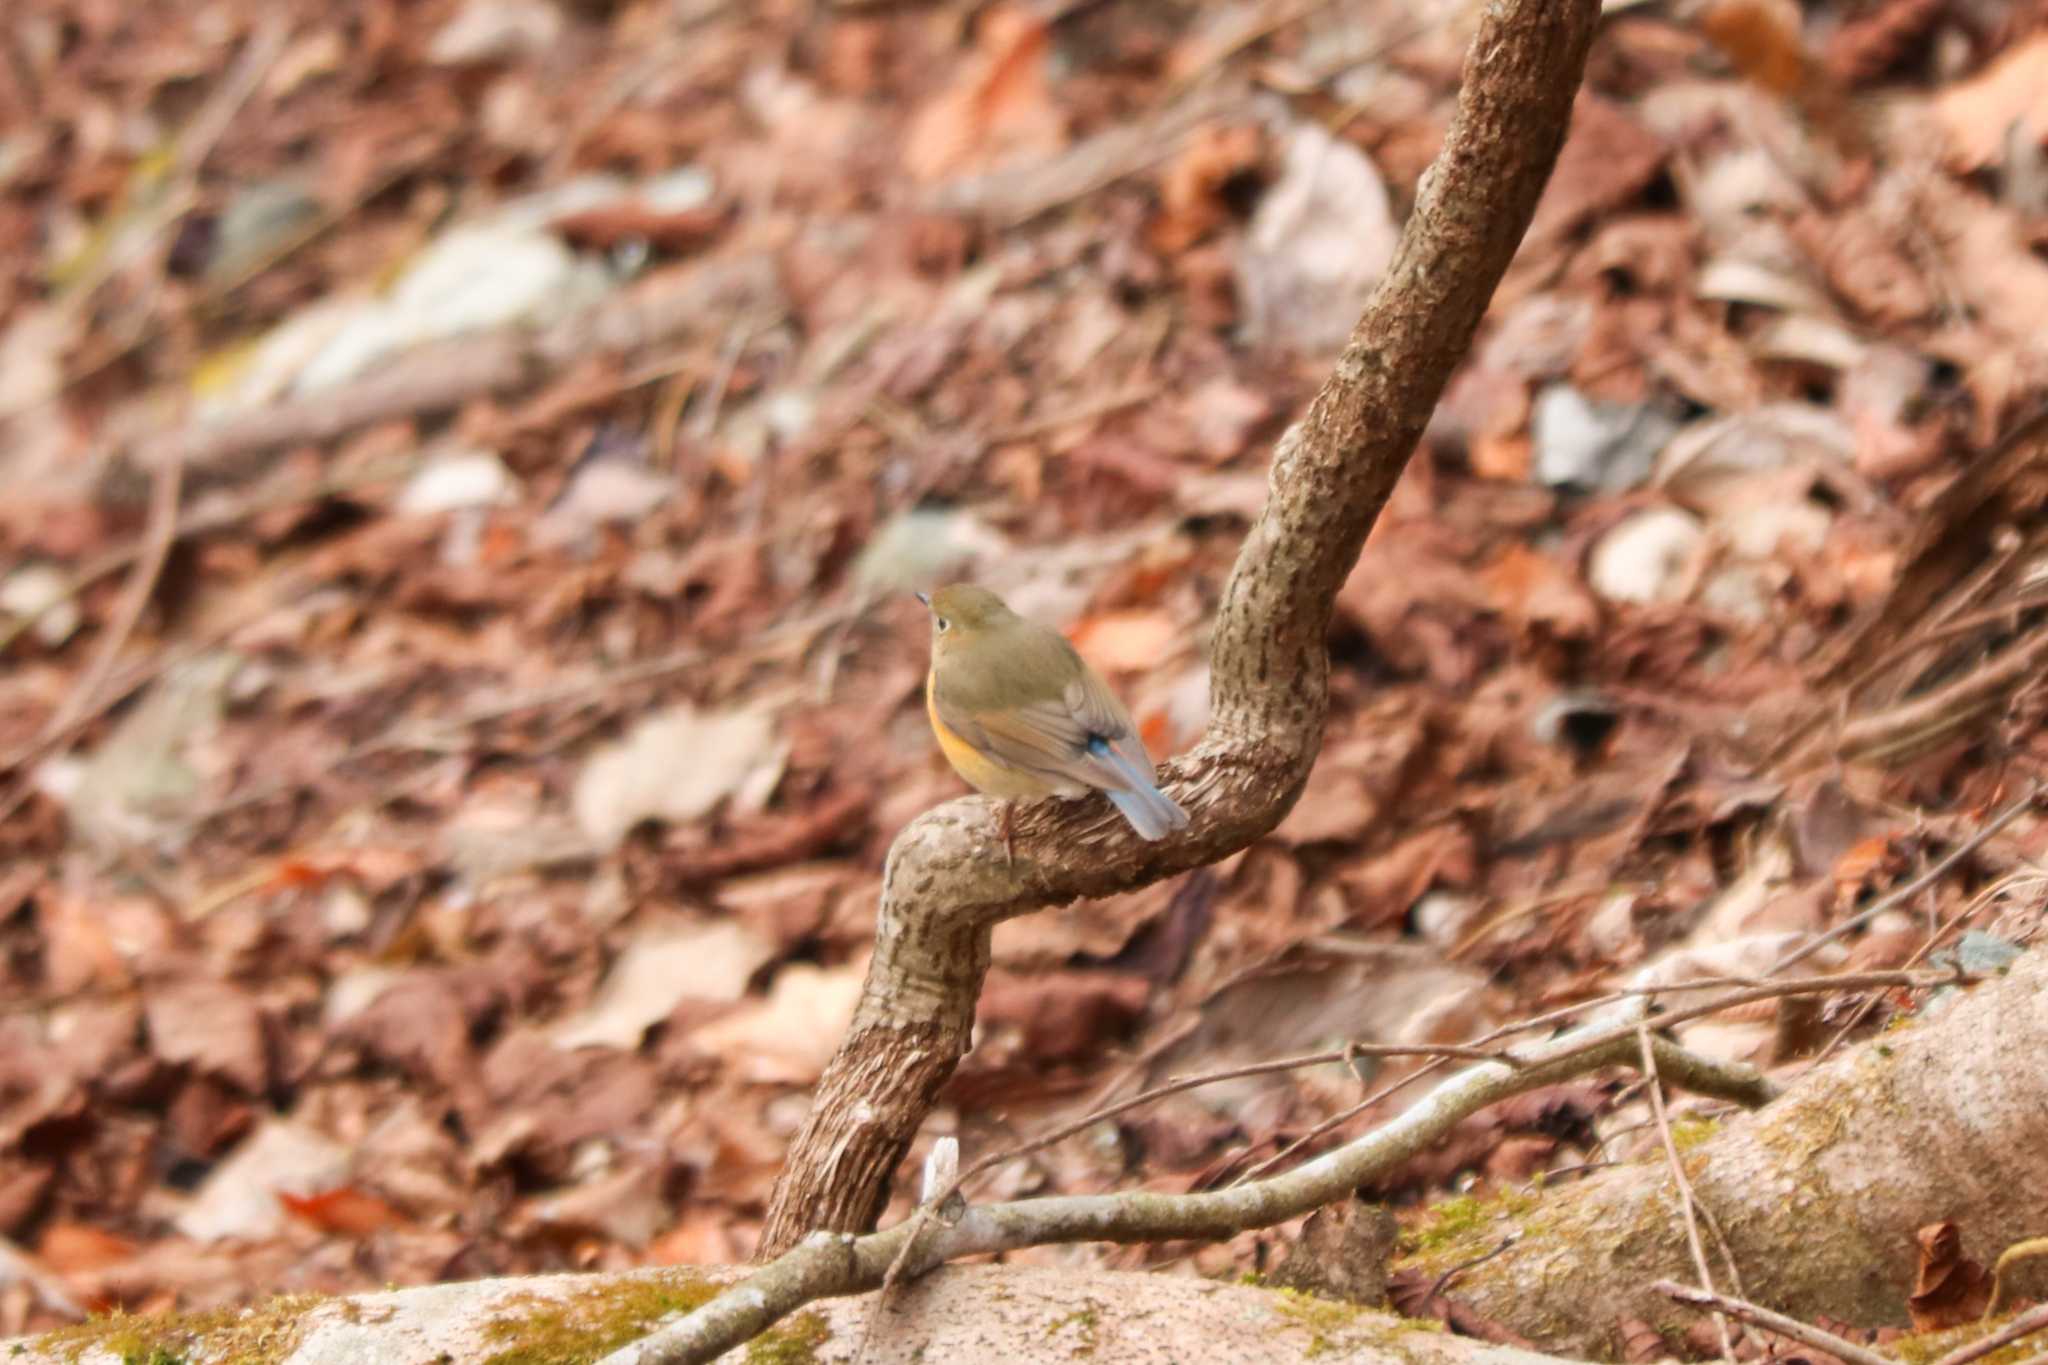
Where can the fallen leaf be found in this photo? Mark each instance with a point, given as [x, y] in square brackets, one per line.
[1533, 589]
[659, 968]
[1063, 1015]
[1318, 242]
[1979, 113]
[1654, 556]
[623, 1206]
[68, 1247]
[677, 766]
[211, 1027]
[1607, 160]
[1949, 1289]
[1000, 104]
[1191, 189]
[1125, 641]
[239, 1197]
[787, 1038]
[344, 1209]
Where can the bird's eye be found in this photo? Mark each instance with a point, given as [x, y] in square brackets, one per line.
[943, 624]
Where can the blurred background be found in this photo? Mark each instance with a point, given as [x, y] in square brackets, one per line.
[465, 466]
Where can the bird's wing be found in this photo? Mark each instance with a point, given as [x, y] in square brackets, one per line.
[1053, 738]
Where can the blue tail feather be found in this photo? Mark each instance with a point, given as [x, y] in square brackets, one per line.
[1150, 811]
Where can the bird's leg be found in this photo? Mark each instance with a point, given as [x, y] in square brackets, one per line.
[1009, 816]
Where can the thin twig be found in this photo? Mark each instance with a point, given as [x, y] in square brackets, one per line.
[1802, 1332]
[1443, 1281]
[2026, 1324]
[1686, 1201]
[827, 1264]
[1934, 940]
[1183, 1083]
[1752, 990]
[1338, 1120]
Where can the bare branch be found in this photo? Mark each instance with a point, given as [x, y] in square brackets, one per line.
[826, 1264]
[1798, 1331]
[1686, 1202]
[943, 891]
[2026, 1324]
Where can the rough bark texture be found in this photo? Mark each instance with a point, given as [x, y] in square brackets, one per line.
[1018, 1315]
[947, 885]
[827, 1264]
[1819, 1193]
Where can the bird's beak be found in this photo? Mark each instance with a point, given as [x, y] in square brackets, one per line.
[922, 598]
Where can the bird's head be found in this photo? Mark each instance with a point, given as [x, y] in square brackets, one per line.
[962, 613]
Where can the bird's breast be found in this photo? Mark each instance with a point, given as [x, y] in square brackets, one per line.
[983, 773]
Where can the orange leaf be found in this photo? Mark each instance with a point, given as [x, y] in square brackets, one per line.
[1155, 731]
[68, 1248]
[1761, 40]
[1001, 102]
[295, 874]
[1125, 641]
[1856, 865]
[344, 1210]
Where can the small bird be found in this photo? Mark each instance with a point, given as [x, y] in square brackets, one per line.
[1020, 715]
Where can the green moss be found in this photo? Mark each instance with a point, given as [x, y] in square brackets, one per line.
[1459, 1222]
[1688, 1133]
[1325, 1320]
[596, 1320]
[1925, 1347]
[262, 1335]
[794, 1341]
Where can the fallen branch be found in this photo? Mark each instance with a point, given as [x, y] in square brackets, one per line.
[944, 889]
[829, 1264]
[1947, 1107]
[2035, 1319]
[1804, 1333]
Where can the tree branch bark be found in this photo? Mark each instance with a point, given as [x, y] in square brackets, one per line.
[828, 1264]
[944, 890]
[1818, 1192]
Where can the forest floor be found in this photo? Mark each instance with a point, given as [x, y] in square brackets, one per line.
[466, 466]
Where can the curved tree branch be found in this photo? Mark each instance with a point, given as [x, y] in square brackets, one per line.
[945, 888]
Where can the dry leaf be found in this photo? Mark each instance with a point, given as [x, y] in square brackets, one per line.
[1125, 641]
[677, 766]
[660, 968]
[1949, 1289]
[787, 1038]
[1978, 114]
[239, 1197]
[344, 1209]
[1001, 104]
[214, 1030]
